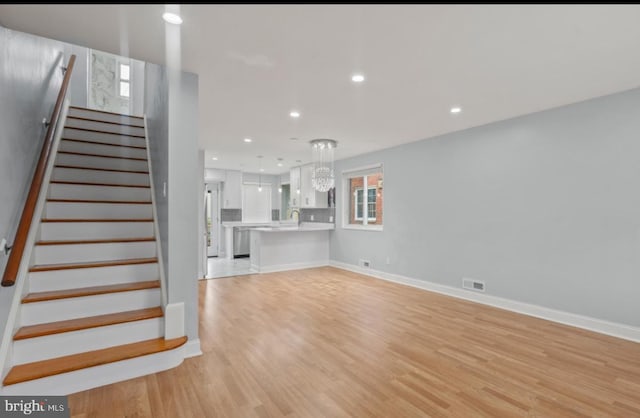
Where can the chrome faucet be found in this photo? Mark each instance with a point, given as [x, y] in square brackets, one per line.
[298, 212]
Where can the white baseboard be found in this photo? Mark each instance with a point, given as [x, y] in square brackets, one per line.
[192, 348]
[292, 266]
[623, 331]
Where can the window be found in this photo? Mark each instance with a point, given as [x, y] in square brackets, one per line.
[363, 195]
[371, 203]
[125, 79]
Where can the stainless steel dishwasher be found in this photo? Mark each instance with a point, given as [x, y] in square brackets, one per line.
[241, 245]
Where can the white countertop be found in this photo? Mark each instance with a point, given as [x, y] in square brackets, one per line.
[304, 227]
[252, 224]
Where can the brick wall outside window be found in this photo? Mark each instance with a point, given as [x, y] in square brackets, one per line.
[356, 183]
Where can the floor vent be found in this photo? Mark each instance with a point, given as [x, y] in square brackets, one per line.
[365, 263]
[473, 284]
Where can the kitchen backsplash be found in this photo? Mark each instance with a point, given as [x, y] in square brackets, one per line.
[323, 215]
[230, 215]
[275, 214]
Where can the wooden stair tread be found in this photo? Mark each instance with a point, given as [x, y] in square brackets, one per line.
[108, 144]
[96, 220]
[84, 183]
[104, 111]
[96, 241]
[58, 327]
[103, 121]
[126, 202]
[85, 154]
[70, 266]
[89, 291]
[99, 169]
[51, 367]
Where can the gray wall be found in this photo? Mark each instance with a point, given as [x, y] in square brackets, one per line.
[30, 79]
[156, 103]
[545, 208]
[183, 194]
[172, 120]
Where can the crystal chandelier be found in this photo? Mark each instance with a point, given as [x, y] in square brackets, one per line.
[322, 175]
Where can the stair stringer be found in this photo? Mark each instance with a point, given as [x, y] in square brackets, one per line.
[22, 285]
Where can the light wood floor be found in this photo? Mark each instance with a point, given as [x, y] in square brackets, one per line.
[330, 343]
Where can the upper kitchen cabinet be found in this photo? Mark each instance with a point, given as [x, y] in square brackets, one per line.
[232, 192]
[310, 197]
[295, 192]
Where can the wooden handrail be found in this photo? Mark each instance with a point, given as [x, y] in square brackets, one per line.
[20, 241]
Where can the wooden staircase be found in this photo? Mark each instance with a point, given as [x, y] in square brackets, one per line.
[93, 309]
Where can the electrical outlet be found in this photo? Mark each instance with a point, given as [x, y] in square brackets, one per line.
[311, 217]
[331, 218]
[164, 189]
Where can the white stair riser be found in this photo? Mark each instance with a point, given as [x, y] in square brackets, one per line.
[70, 133]
[59, 210]
[67, 383]
[82, 307]
[101, 162]
[106, 137]
[90, 114]
[104, 126]
[80, 253]
[45, 281]
[86, 192]
[58, 231]
[94, 176]
[67, 343]
[100, 149]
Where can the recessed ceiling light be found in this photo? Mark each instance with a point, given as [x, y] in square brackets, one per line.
[172, 18]
[215, 158]
[262, 169]
[456, 109]
[294, 114]
[248, 140]
[279, 164]
[298, 161]
[293, 139]
[357, 78]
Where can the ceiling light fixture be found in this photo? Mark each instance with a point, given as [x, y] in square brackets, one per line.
[279, 164]
[322, 173]
[456, 110]
[215, 158]
[357, 78]
[294, 114]
[247, 140]
[172, 18]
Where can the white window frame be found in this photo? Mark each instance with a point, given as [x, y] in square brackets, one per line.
[121, 80]
[369, 218]
[347, 175]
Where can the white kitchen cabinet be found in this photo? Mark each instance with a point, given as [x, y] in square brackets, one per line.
[232, 192]
[310, 197]
[295, 192]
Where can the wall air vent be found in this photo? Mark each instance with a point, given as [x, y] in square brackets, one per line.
[473, 284]
[365, 263]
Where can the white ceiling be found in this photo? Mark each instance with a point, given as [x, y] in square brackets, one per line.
[258, 62]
